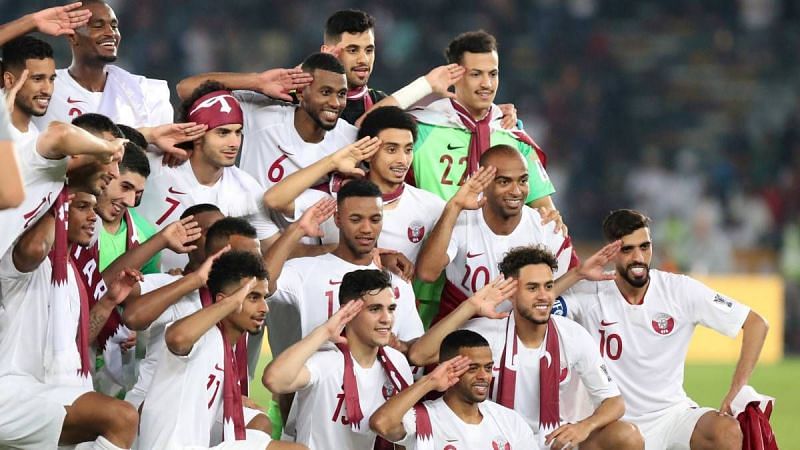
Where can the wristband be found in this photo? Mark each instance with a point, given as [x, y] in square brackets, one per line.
[412, 93]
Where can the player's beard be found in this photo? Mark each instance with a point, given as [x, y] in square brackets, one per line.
[527, 313]
[635, 282]
[27, 108]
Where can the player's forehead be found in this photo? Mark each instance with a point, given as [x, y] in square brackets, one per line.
[244, 243]
[487, 61]
[228, 127]
[83, 199]
[328, 79]
[637, 237]
[508, 165]
[396, 136]
[478, 355]
[44, 66]
[130, 177]
[363, 39]
[384, 297]
[100, 12]
[207, 218]
[362, 206]
[535, 274]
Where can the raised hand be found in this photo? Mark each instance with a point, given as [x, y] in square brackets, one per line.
[336, 323]
[205, 268]
[334, 50]
[122, 284]
[492, 294]
[180, 233]
[593, 267]
[11, 93]
[311, 220]
[168, 136]
[394, 262]
[442, 77]
[277, 83]
[470, 194]
[509, 119]
[240, 294]
[61, 20]
[552, 215]
[347, 158]
[448, 373]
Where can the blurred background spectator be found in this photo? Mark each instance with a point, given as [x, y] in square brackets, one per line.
[687, 110]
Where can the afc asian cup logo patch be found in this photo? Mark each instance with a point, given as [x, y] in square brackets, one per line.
[500, 444]
[388, 390]
[663, 324]
[416, 231]
[559, 307]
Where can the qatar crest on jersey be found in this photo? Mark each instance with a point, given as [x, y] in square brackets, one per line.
[416, 231]
[663, 324]
[388, 390]
[499, 443]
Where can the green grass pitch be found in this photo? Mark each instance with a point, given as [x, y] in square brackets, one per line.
[706, 384]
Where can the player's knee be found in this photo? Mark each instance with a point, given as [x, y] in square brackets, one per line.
[261, 423]
[626, 436]
[727, 434]
[123, 418]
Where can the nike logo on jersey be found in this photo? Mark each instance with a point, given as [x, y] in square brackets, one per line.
[472, 255]
[71, 100]
[334, 283]
[284, 151]
[606, 324]
[172, 190]
[453, 147]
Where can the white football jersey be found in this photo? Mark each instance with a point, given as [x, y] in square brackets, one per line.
[582, 370]
[156, 345]
[43, 180]
[272, 148]
[170, 190]
[318, 413]
[500, 429]
[475, 251]
[129, 99]
[645, 345]
[25, 315]
[311, 285]
[184, 400]
[404, 227]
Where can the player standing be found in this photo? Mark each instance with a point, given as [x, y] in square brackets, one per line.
[645, 315]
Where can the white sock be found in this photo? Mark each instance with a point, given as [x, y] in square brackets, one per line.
[102, 443]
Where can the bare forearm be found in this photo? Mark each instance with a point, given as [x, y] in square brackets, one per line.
[566, 281]
[305, 250]
[610, 409]
[12, 191]
[136, 257]
[98, 316]
[280, 376]
[432, 257]
[425, 350]
[34, 245]
[281, 196]
[62, 139]
[141, 311]
[184, 333]
[16, 28]
[754, 333]
[279, 252]
[231, 80]
[387, 420]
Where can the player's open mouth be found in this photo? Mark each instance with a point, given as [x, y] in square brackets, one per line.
[541, 306]
[109, 44]
[638, 271]
[361, 71]
[330, 116]
[365, 240]
[259, 322]
[480, 388]
[485, 95]
[116, 208]
[42, 101]
[513, 203]
[383, 331]
[399, 171]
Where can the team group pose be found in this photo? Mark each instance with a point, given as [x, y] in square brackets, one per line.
[401, 254]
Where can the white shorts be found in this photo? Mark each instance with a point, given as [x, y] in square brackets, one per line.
[32, 413]
[672, 429]
[256, 440]
[249, 414]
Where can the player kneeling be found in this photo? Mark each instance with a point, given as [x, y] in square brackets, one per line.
[197, 383]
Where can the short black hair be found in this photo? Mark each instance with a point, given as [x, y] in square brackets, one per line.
[457, 340]
[471, 41]
[357, 187]
[385, 117]
[133, 135]
[134, 160]
[97, 124]
[199, 209]
[623, 222]
[231, 267]
[23, 48]
[499, 149]
[207, 87]
[225, 228]
[322, 61]
[358, 283]
[347, 21]
[518, 257]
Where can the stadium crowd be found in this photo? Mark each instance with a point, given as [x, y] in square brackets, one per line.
[401, 252]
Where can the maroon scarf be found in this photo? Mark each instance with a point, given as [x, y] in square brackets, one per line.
[350, 388]
[241, 347]
[360, 93]
[481, 135]
[61, 263]
[94, 282]
[549, 374]
[233, 416]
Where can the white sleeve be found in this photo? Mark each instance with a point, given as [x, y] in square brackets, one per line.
[265, 228]
[712, 309]
[591, 368]
[289, 285]
[319, 366]
[409, 422]
[409, 324]
[36, 168]
[306, 200]
[570, 303]
[152, 281]
[5, 123]
[523, 434]
[159, 107]
[455, 238]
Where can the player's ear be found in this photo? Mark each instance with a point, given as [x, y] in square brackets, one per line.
[336, 220]
[8, 79]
